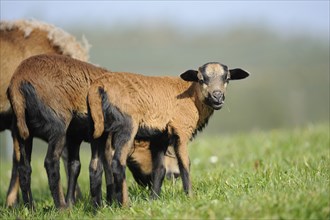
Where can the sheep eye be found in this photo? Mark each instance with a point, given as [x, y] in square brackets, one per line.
[201, 81]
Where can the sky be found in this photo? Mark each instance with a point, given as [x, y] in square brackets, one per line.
[311, 17]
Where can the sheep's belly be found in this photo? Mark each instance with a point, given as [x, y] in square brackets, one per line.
[155, 121]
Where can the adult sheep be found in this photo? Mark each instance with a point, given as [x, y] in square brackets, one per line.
[125, 105]
[48, 96]
[19, 40]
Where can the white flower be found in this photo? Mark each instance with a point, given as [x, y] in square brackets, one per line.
[213, 159]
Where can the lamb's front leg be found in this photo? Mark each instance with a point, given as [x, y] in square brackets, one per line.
[181, 152]
[158, 148]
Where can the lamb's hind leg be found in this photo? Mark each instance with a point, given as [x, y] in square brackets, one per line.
[122, 141]
[101, 151]
[73, 146]
[24, 170]
[12, 193]
[95, 171]
[52, 165]
[22, 156]
[65, 158]
[106, 157]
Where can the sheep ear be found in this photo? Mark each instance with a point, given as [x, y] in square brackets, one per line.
[190, 76]
[237, 73]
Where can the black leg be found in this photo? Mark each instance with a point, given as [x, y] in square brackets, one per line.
[24, 170]
[119, 178]
[181, 153]
[65, 158]
[73, 146]
[185, 178]
[106, 160]
[12, 193]
[95, 172]
[122, 142]
[158, 148]
[52, 165]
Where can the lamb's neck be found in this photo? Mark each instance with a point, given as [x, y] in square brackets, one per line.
[204, 110]
[191, 90]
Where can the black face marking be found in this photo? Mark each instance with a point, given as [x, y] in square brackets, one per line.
[206, 78]
[225, 68]
[224, 77]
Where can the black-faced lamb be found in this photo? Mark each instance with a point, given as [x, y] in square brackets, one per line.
[171, 110]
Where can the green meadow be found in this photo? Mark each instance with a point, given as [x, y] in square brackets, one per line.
[266, 155]
[276, 174]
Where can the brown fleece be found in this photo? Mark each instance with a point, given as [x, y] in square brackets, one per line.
[23, 38]
[152, 102]
[60, 83]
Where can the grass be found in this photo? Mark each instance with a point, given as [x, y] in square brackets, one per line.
[280, 174]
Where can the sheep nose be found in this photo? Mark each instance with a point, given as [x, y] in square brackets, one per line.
[217, 95]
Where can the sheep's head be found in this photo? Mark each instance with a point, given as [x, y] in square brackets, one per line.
[212, 79]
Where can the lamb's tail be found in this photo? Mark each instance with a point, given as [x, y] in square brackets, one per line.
[94, 102]
[18, 104]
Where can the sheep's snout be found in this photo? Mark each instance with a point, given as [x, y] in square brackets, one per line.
[216, 99]
[217, 96]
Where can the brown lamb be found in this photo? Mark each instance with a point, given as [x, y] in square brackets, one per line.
[123, 106]
[19, 40]
[48, 97]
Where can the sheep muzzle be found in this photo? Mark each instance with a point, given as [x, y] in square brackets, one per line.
[216, 100]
